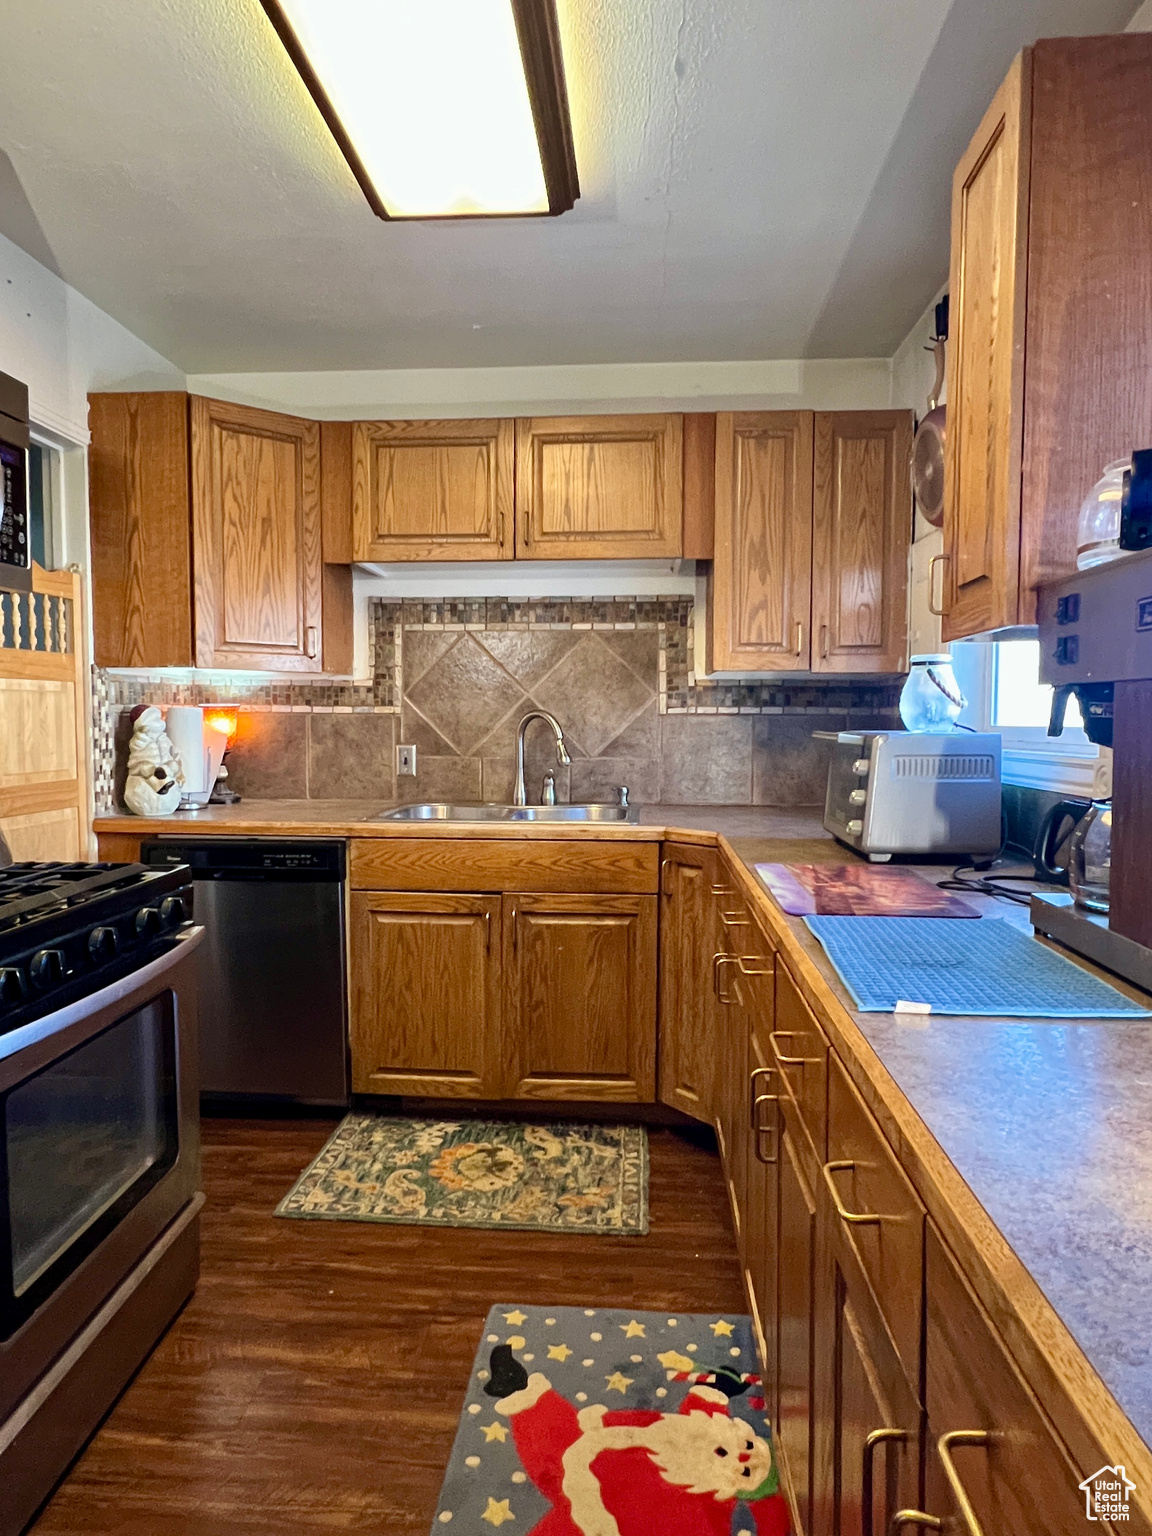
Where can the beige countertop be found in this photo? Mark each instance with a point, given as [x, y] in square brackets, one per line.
[1048, 1123]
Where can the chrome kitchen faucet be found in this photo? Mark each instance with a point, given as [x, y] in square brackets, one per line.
[519, 794]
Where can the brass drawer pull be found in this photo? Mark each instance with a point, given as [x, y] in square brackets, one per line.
[936, 560]
[760, 969]
[875, 1438]
[719, 961]
[904, 1517]
[753, 1100]
[733, 920]
[788, 1061]
[853, 1218]
[723, 890]
[762, 1130]
[944, 1451]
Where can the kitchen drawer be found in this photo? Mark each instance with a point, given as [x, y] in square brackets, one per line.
[505, 864]
[800, 1050]
[990, 1444]
[877, 1212]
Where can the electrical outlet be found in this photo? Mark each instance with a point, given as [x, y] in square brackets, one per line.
[406, 762]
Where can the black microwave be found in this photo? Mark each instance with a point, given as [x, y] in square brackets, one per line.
[15, 531]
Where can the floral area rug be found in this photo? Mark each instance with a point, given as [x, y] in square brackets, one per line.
[476, 1173]
[584, 1422]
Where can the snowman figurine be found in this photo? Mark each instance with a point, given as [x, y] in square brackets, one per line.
[155, 777]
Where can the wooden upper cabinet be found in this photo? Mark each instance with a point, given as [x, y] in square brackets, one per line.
[599, 487]
[255, 538]
[986, 364]
[433, 490]
[761, 585]
[580, 996]
[861, 532]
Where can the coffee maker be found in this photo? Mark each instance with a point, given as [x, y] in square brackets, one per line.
[1096, 644]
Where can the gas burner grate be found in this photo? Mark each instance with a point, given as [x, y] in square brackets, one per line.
[31, 891]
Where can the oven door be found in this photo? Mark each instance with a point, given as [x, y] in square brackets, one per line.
[99, 1152]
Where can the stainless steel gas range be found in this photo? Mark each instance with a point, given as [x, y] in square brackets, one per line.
[99, 1150]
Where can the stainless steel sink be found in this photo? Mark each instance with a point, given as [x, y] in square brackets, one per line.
[438, 811]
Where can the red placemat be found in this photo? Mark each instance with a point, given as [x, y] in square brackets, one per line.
[857, 890]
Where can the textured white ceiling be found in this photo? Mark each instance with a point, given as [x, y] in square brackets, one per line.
[761, 178]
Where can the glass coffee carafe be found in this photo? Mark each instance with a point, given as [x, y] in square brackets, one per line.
[1090, 857]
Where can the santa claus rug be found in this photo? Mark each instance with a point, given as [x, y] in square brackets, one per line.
[596, 1422]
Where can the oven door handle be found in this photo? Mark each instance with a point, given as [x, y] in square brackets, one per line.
[127, 989]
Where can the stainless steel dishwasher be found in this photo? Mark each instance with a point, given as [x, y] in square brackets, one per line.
[272, 984]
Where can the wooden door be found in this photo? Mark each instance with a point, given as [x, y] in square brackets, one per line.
[255, 538]
[599, 487]
[433, 490]
[866, 1424]
[45, 806]
[989, 1440]
[861, 534]
[795, 1328]
[762, 1206]
[983, 444]
[687, 1007]
[760, 591]
[580, 996]
[426, 1015]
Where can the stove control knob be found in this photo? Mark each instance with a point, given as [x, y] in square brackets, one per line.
[854, 828]
[858, 797]
[47, 968]
[13, 987]
[148, 922]
[861, 766]
[174, 911]
[103, 944]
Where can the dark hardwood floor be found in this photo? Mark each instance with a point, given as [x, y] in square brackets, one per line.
[314, 1381]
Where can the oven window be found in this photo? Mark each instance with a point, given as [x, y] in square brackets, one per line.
[84, 1140]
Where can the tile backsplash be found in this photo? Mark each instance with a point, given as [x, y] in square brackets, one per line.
[454, 676]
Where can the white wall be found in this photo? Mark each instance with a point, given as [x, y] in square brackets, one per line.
[1142, 21]
[62, 346]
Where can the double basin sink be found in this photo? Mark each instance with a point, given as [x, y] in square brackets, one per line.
[438, 811]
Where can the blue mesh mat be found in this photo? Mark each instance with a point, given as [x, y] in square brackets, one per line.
[953, 966]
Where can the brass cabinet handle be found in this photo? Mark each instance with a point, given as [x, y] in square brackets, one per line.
[904, 1517]
[487, 933]
[733, 920]
[753, 1100]
[853, 1218]
[824, 642]
[760, 969]
[944, 1451]
[665, 864]
[932, 564]
[723, 890]
[500, 514]
[719, 961]
[515, 930]
[875, 1437]
[799, 637]
[787, 1061]
[311, 641]
[759, 1130]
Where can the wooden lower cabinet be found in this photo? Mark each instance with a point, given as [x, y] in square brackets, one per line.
[687, 1004]
[762, 1213]
[426, 995]
[580, 996]
[532, 996]
[992, 1453]
[795, 1325]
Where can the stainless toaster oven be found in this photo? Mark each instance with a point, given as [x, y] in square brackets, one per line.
[906, 792]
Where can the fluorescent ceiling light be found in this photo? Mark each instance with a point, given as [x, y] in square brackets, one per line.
[443, 108]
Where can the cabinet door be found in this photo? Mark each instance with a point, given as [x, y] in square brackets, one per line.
[687, 1015]
[580, 996]
[426, 995]
[861, 533]
[599, 487]
[732, 927]
[760, 593]
[762, 1210]
[432, 490]
[255, 538]
[984, 440]
[866, 1428]
[794, 1329]
[1020, 1478]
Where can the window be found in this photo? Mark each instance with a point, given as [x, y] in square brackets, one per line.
[43, 502]
[1002, 684]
